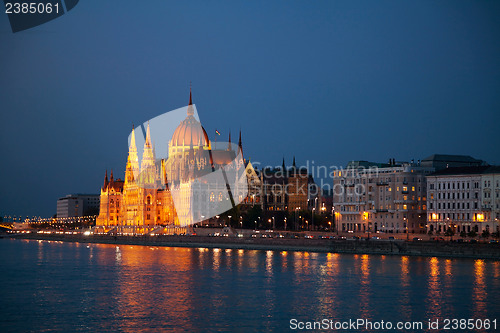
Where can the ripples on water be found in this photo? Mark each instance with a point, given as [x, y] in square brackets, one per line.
[93, 287]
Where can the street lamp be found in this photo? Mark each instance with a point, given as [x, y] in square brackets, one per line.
[312, 220]
[334, 222]
[407, 234]
[296, 209]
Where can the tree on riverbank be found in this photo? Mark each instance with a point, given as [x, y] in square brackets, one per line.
[472, 234]
[450, 232]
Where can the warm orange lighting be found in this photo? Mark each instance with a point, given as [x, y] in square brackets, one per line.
[480, 217]
[365, 216]
[434, 216]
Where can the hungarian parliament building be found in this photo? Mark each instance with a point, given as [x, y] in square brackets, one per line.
[168, 195]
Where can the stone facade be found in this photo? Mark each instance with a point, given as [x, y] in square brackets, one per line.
[377, 197]
[464, 199]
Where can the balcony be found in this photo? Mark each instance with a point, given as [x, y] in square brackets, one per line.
[382, 183]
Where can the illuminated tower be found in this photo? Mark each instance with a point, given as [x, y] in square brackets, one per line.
[147, 185]
[148, 174]
[131, 188]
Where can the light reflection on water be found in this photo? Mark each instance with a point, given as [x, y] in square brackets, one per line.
[479, 292]
[72, 287]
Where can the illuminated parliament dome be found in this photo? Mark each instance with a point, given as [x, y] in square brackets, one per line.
[189, 132]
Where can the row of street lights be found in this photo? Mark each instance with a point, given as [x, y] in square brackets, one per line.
[272, 220]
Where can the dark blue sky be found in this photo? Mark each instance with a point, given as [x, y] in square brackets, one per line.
[328, 81]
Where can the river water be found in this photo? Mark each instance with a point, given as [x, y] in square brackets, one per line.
[66, 287]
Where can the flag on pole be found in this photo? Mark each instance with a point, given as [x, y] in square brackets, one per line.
[217, 132]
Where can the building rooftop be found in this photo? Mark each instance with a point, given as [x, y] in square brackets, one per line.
[451, 158]
[468, 170]
[366, 164]
[76, 195]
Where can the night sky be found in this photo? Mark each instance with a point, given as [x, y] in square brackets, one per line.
[326, 81]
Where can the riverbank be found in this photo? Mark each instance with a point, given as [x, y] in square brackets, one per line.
[361, 246]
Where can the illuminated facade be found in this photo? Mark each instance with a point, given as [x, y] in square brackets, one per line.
[282, 189]
[169, 195]
[386, 197]
[464, 199]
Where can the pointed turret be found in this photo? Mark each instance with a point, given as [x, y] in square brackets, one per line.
[229, 148]
[240, 148]
[190, 95]
[148, 168]
[132, 168]
[283, 164]
[294, 166]
[132, 146]
[190, 110]
[148, 137]
[105, 181]
[111, 179]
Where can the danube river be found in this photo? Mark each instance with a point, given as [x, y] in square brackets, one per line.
[92, 287]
